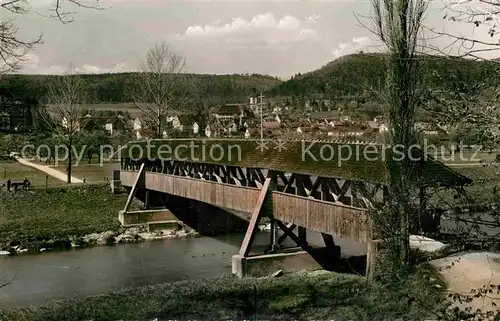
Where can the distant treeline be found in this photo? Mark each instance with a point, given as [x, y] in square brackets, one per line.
[117, 88]
[358, 77]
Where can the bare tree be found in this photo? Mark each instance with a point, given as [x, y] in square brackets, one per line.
[66, 110]
[13, 48]
[161, 88]
[483, 16]
[398, 26]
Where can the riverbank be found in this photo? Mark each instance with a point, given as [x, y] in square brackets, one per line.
[320, 296]
[70, 216]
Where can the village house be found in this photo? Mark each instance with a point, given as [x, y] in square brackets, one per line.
[354, 130]
[145, 132]
[208, 131]
[228, 113]
[329, 130]
[293, 126]
[277, 109]
[254, 105]
[15, 116]
[376, 127]
[91, 123]
[232, 128]
[345, 118]
[137, 126]
[184, 123]
[306, 128]
[271, 128]
[252, 133]
[214, 129]
[67, 123]
[429, 128]
[115, 126]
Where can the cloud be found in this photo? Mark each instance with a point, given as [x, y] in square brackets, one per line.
[31, 65]
[354, 46]
[261, 28]
[91, 69]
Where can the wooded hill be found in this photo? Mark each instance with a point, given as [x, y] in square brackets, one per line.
[357, 77]
[117, 88]
[360, 76]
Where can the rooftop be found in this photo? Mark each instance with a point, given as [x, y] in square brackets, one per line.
[186, 119]
[325, 158]
[228, 109]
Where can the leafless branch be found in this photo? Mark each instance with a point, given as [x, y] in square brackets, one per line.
[13, 48]
[478, 14]
[161, 88]
[67, 16]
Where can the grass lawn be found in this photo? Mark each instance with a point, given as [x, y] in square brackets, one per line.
[94, 173]
[328, 296]
[32, 217]
[468, 157]
[485, 180]
[17, 172]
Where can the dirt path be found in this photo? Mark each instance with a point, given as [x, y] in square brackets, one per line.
[469, 271]
[466, 271]
[50, 171]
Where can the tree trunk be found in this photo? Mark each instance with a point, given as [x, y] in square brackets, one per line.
[70, 165]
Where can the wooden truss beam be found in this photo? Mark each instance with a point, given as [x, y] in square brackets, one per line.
[254, 221]
[140, 174]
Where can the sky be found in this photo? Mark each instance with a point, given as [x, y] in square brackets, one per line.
[278, 38]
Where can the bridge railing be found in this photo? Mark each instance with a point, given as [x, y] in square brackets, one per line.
[239, 198]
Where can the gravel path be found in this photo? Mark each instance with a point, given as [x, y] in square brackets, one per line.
[50, 171]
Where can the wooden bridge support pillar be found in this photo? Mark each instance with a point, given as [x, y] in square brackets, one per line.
[308, 258]
[302, 234]
[116, 186]
[147, 203]
[272, 241]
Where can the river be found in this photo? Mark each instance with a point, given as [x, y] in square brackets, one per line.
[37, 278]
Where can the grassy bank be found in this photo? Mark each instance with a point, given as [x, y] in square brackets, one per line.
[31, 218]
[328, 296]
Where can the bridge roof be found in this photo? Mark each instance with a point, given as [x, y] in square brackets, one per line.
[345, 160]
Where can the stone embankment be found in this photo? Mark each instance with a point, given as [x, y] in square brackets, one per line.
[124, 235]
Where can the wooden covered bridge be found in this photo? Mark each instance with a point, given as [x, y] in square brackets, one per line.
[321, 186]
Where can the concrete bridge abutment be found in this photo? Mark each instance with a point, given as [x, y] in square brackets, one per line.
[324, 258]
[206, 219]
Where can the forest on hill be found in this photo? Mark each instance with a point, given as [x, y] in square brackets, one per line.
[117, 88]
[360, 77]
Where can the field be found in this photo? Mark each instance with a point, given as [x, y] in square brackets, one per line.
[302, 296]
[33, 217]
[93, 173]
